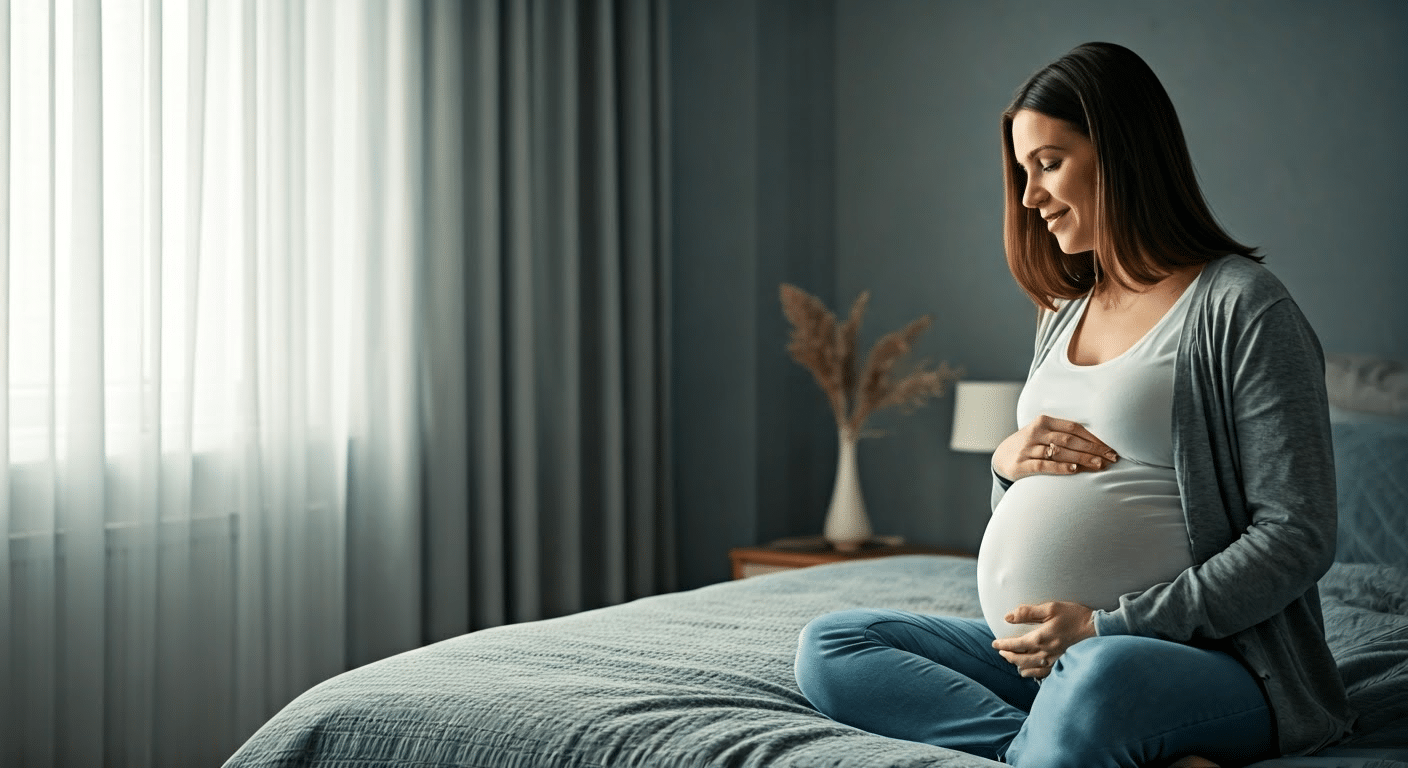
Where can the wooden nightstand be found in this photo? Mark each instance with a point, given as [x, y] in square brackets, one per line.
[786, 554]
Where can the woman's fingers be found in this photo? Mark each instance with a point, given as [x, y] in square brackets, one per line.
[1053, 452]
[1051, 446]
[1046, 466]
[1060, 625]
[1052, 458]
[1038, 667]
[1065, 443]
[1074, 436]
[1029, 664]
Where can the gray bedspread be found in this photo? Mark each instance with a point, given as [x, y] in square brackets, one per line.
[704, 678]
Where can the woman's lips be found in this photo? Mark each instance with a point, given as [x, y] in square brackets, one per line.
[1055, 217]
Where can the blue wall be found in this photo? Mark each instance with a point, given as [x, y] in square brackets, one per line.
[852, 145]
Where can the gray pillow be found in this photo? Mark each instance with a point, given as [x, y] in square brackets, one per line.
[1372, 491]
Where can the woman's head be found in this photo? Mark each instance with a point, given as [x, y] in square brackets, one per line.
[1122, 189]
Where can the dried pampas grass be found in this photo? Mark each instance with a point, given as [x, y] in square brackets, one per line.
[828, 350]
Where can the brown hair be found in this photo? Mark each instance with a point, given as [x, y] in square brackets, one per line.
[1150, 213]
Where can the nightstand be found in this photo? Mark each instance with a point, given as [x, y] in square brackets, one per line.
[786, 554]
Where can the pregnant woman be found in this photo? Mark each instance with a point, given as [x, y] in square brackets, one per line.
[1162, 515]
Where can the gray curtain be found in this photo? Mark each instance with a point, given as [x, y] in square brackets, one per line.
[552, 426]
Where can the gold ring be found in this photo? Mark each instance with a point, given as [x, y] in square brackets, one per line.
[1050, 450]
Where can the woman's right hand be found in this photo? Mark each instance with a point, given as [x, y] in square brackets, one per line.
[1051, 446]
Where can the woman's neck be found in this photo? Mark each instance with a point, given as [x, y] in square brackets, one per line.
[1118, 293]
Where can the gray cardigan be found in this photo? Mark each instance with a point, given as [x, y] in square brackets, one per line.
[1252, 454]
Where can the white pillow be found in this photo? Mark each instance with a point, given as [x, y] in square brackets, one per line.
[1367, 384]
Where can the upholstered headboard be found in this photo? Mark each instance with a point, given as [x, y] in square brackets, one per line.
[1369, 415]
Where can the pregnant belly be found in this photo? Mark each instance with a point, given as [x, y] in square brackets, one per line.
[1085, 538]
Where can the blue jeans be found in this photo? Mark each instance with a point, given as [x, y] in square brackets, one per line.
[1109, 701]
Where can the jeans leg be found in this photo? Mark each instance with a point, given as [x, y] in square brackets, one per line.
[929, 679]
[1127, 701]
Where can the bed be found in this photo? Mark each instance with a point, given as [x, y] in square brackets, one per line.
[704, 677]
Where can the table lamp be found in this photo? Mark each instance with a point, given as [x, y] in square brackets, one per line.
[984, 414]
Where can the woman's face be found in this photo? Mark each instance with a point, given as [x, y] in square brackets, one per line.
[1061, 170]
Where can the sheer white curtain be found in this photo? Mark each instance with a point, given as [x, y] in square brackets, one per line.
[209, 263]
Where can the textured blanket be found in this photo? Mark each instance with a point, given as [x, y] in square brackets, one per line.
[704, 678]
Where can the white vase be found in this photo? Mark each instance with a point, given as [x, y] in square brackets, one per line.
[847, 525]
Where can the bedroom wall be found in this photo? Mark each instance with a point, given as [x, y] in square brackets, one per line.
[753, 115]
[851, 145]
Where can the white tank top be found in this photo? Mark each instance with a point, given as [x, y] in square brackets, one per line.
[1095, 535]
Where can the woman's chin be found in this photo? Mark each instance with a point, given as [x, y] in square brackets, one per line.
[1072, 248]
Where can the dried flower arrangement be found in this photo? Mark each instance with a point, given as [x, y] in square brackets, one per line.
[828, 350]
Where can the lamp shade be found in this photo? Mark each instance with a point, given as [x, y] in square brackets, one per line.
[984, 414]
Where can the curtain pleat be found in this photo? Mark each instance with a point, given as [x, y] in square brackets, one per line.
[561, 110]
[9, 718]
[80, 487]
[639, 63]
[323, 532]
[487, 590]
[605, 211]
[133, 713]
[443, 376]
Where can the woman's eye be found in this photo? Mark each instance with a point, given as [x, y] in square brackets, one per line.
[1052, 167]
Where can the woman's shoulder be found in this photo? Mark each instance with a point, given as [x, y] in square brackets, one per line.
[1237, 285]
[1050, 323]
[1065, 308]
[1239, 295]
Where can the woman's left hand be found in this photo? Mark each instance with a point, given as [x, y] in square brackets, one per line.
[1060, 625]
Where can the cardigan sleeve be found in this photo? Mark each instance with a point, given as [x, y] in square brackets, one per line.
[1258, 484]
[1000, 485]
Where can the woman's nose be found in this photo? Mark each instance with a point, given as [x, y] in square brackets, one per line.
[1033, 195]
